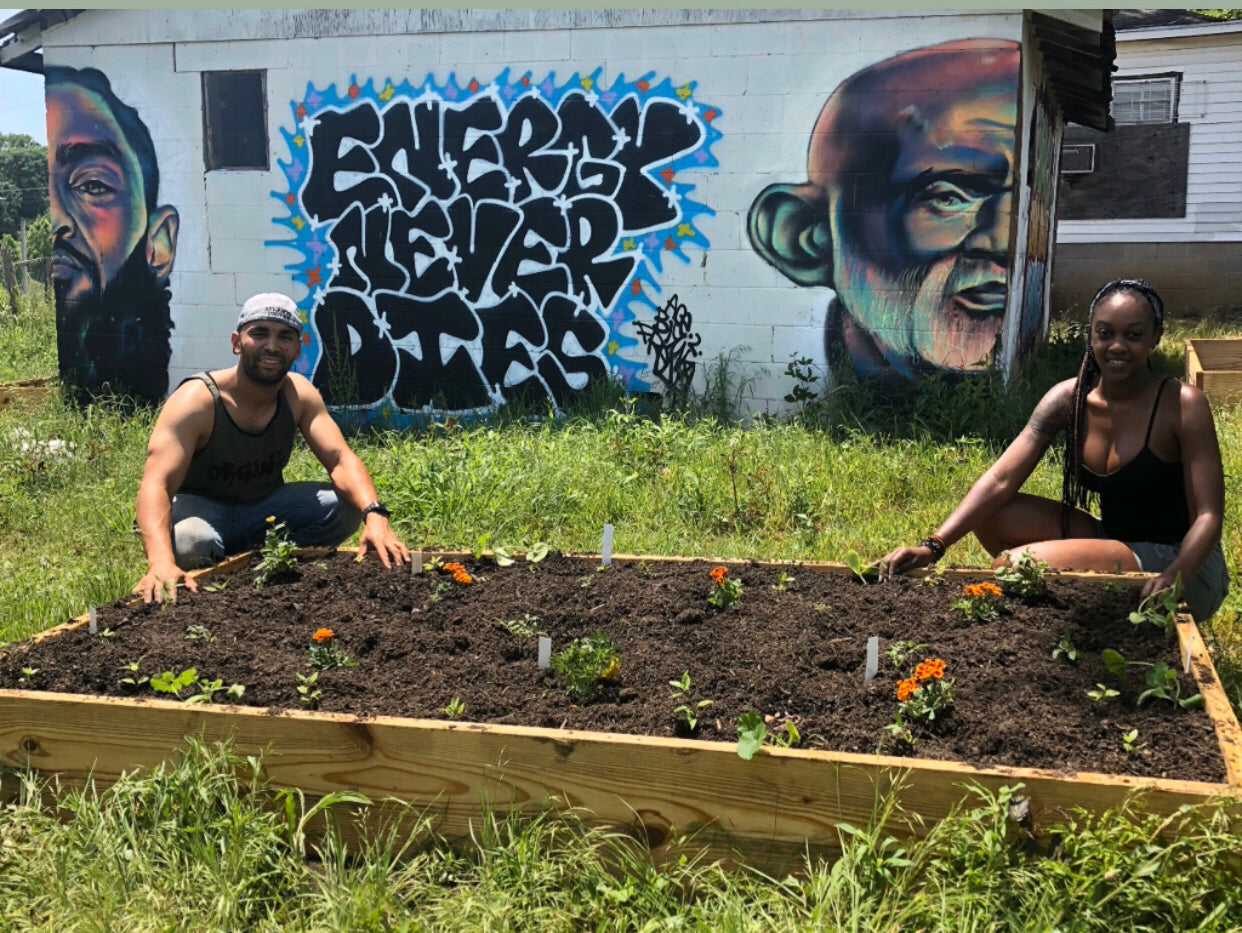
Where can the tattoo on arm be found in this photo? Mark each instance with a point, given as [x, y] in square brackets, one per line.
[1048, 418]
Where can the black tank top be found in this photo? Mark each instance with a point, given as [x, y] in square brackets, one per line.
[241, 466]
[1144, 499]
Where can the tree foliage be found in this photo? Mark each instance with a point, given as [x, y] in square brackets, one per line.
[23, 180]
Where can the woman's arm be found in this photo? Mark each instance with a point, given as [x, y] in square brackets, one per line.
[1000, 484]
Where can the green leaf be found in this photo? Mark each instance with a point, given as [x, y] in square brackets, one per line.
[1114, 661]
[502, 556]
[537, 552]
[751, 732]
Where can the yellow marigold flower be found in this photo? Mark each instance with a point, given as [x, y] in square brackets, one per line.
[906, 688]
[462, 577]
[270, 518]
[931, 669]
[323, 634]
[611, 669]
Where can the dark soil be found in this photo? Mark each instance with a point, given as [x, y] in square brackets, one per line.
[792, 649]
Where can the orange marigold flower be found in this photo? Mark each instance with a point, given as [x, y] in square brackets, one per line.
[906, 688]
[462, 577]
[931, 669]
[990, 588]
[453, 566]
[323, 634]
[718, 574]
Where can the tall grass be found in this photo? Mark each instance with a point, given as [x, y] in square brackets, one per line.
[206, 845]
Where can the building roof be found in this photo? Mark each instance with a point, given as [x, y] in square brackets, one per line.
[1153, 19]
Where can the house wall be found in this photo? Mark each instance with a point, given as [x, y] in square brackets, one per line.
[1194, 259]
[622, 198]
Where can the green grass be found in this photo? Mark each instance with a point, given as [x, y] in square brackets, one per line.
[207, 846]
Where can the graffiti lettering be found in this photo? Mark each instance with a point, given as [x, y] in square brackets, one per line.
[669, 337]
[474, 247]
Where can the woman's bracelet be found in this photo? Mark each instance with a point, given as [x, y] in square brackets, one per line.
[936, 545]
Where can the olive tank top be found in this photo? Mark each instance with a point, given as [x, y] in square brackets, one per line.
[240, 466]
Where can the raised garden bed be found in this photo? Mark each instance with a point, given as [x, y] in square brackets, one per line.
[1215, 366]
[793, 647]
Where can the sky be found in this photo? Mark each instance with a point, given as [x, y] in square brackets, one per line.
[21, 100]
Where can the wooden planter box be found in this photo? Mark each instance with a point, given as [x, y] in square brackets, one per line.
[769, 811]
[25, 394]
[1215, 366]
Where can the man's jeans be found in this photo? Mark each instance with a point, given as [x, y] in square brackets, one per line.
[206, 530]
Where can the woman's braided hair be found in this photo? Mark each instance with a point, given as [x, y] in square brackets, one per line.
[1073, 494]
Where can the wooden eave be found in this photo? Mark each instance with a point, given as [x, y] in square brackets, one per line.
[1079, 64]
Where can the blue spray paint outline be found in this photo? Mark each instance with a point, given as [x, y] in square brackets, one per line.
[317, 250]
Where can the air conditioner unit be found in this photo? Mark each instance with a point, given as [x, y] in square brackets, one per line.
[1077, 158]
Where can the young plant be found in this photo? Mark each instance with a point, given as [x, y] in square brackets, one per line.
[133, 681]
[725, 591]
[308, 692]
[1102, 694]
[27, 673]
[1023, 576]
[168, 682]
[585, 663]
[980, 602]
[524, 627]
[1128, 741]
[1065, 649]
[925, 693]
[1160, 609]
[686, 713]
[1163, 684]
[783, 581]
[899, 731]
[899, 652]
[196, 632]
[454, 708]
[325, 654]
[865, 572]
[753, 734]
[277, 554]
[207, 689]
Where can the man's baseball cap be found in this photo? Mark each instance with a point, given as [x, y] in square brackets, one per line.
[270, 306]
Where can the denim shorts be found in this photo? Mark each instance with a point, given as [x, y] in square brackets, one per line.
[1204, 594]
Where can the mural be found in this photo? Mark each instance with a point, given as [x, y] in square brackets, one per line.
[113, 243]
[906, 210]
[467, 245]
[674, 345]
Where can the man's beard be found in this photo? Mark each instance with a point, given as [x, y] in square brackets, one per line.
[255, 373]
[911, 316]
[117, 342]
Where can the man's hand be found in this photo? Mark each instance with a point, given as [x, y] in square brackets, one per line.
[161, 580]
[378, 534]
[905, 559]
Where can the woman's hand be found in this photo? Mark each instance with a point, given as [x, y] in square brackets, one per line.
[1159, 583]
[905, 559]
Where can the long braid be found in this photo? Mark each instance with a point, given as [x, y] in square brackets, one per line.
[1073, 494]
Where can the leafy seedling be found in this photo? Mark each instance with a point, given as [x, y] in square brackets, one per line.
[1160, 609]
[133, 681]
[308, 691]
[585, 663]
[196, 632]
[1129, 741]
[865, 572]
[207, 690]
[751, 732]
[686, 712]
[168, 682]
[1065, 649]
[454, 708]
[27, 673]
[899, 652]
[277, 554]
[1102, 694]
[1022, 576]
[1163, 684]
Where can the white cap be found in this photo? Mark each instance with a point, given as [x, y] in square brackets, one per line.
[270, 306]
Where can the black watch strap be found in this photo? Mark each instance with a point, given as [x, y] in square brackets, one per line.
[377, 507]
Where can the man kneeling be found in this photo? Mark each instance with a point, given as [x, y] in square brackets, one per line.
[215, 461]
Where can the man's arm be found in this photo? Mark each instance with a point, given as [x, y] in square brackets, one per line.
[184, 421]
[346, 470]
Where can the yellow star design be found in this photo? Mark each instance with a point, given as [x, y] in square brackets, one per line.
[685, 230]
[685, 90]
[628, 243]
[388, 91]
[588, 82]
[300, 140]
[613, 347]
[299, 222]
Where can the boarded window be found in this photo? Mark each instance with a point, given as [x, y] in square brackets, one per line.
[235, 119]
[1145, 100]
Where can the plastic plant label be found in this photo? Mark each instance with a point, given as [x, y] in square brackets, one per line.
[545, 651]
[93, 624]
[416, 562]
[873, 658]
[606, 548]
[1190, 644]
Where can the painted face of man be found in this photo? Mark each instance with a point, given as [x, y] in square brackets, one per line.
[923, 268]
[98, 205]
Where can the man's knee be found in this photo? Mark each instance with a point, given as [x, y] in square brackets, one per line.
[336, 520]
[196, 544]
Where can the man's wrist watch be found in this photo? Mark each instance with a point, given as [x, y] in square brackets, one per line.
[378, 508]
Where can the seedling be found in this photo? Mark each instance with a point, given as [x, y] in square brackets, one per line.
[585, 662]
[207, 689]
[1102, 694]
[215, 586]
[1163, 684]
[751, 731]
[133, 681]
[899, 731]
[1022, 576]
[899, 652]
[277, 554]
[865, 572]
[783, 581]
[196, 632]
[168, 682]
[687, 713]
[1065, 649]
[524, 627]
[454, 708]
[1128, 741]
[27, 673]
[1160, 609]
[308, 692]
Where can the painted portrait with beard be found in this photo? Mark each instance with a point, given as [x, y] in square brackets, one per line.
[906, 212]
[113, 244]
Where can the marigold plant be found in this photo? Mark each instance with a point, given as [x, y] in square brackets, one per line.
[324, 653]
[725, 592]
[323, 634]
[980, 601]
[925, 693]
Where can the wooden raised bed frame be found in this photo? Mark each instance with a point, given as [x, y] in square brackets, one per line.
[768, 811]
[1215, 366]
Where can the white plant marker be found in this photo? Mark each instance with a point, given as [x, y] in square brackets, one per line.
[545, 651]
[1190, 644]
[416, 562]
[606, 548]
[873, 658]
[93, 625]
